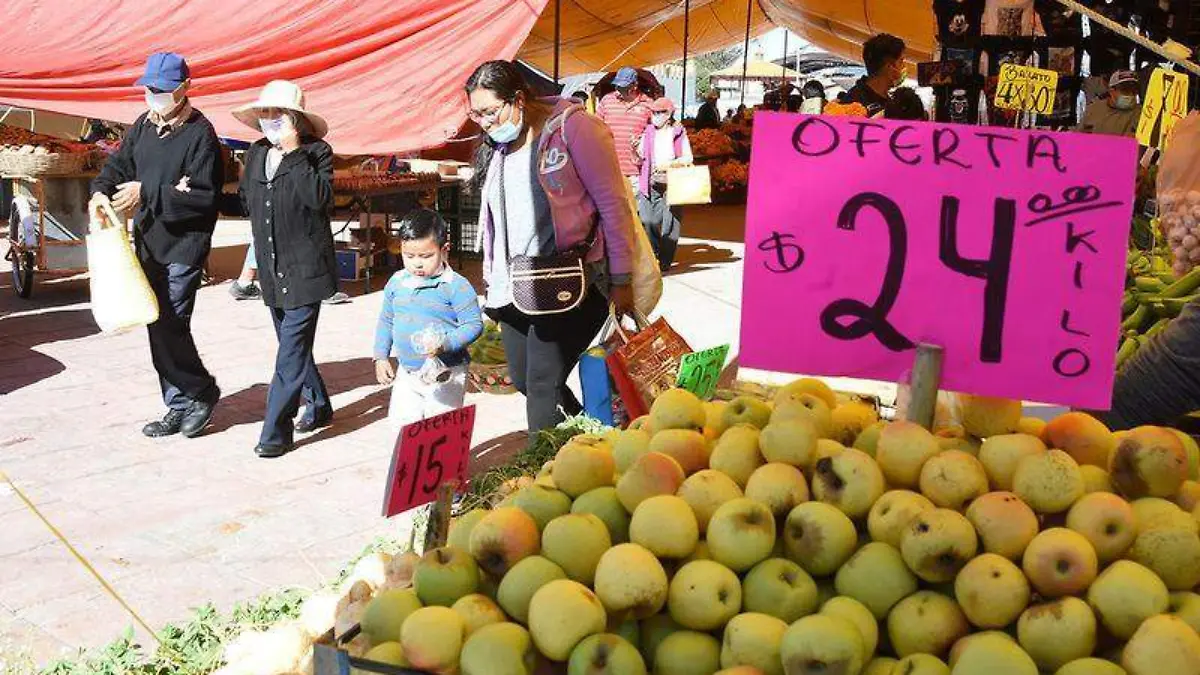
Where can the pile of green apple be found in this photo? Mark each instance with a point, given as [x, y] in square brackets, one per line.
[804, 536]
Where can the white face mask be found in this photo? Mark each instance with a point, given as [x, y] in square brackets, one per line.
[811, 106]
[660, 119]
[160, 103]
[273, 129]
[510, 130]
[1125, 102]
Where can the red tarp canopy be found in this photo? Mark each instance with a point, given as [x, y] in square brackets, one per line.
[387, 75]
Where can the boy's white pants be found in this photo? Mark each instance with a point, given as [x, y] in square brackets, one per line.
[413, 400]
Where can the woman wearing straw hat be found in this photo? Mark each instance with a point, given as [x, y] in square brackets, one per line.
[287, 192]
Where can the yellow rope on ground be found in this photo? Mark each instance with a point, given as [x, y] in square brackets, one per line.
[1128, 33]
[83, 561]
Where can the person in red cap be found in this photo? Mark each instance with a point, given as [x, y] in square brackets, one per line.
[662, 145]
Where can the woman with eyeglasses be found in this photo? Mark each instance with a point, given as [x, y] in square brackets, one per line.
[551, 184]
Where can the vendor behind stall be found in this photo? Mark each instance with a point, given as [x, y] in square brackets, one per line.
[1118, 114]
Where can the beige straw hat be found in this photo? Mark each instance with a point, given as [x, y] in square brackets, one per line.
[284, 95]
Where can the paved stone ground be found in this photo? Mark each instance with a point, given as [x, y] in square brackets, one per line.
[176, 523]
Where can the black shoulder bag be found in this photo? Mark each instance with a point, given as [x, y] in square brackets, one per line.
[550, 284]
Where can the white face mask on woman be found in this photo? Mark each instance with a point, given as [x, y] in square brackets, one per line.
[510, 130]
[273, 129]
[660, 119]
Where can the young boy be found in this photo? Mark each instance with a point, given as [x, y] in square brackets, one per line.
[425, 294]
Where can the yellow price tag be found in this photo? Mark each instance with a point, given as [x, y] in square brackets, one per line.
[1165, 104]
[1025, 88]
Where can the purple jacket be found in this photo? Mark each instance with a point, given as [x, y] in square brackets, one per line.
[577, 168]
[648, 153]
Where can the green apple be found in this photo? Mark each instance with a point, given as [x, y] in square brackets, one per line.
[432, 638]
[704, 595]
[820, 644]
[444, 575]
[561, 614]
[753, 639]
[605, 654]
[688, 653]
[542, 503]
[499, 649]
[605, 505]
[386, 612]
[575, 543]
[747, 410]
[877, 577]
[741, 534]
[780, 588]
[522, 582]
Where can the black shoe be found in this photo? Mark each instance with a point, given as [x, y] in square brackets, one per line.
[307, 425]
[247, 292]
[169, 425]
[267, 451]
[199, 415]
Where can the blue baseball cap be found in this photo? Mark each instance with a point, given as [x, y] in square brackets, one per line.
[165, 71]
[625, 77]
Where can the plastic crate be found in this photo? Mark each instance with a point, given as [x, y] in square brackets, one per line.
[329, 658]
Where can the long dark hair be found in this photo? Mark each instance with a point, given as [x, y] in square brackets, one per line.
[503, 79]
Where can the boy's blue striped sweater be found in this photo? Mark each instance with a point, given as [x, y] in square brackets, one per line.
[411, 303]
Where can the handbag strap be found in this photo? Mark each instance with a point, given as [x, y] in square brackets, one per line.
[613, 325]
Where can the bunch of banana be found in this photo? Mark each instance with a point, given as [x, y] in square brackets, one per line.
[1153, 296]
[488, 350]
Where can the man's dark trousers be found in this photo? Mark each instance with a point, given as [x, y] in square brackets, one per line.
[181, 373]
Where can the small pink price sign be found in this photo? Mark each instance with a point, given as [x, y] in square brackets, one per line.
[1007, 248]
[428, 453]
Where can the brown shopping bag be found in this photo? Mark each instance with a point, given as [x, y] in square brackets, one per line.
[689, 185]
[121, 295]
[642, 364]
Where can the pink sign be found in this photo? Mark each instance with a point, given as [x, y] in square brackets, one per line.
[1005, 247]
[428, 454]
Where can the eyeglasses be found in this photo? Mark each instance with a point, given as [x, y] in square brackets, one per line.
[487, 116]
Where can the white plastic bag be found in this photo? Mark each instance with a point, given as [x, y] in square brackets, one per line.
[121, 296]
[1179, 194]
[429, 341]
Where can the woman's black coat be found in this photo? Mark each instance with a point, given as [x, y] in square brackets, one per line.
[289, 216]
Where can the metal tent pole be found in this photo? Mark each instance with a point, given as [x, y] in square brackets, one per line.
[557, 36]
[783, 75]
[746, 48]
[687, 24]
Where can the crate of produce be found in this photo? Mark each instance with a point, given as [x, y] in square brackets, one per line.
[488, 372]
[331, 658]
[26, 153]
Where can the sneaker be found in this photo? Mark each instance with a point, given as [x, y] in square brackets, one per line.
[248, 292]
[338, 298]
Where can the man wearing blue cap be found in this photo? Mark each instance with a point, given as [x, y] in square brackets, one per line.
[626, 111]
[168, 174]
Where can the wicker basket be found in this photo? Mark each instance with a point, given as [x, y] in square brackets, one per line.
[52, 164]
[490, 379]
